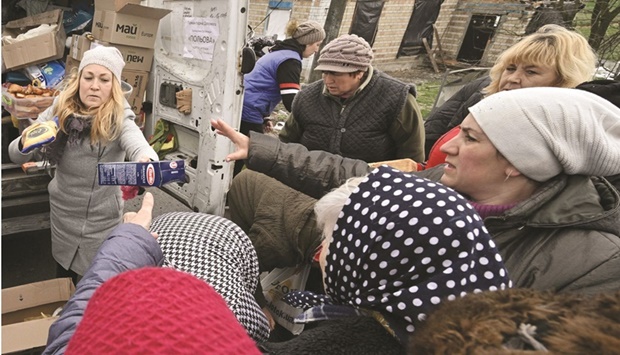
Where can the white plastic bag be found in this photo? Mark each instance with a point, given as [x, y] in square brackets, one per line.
[279, 282]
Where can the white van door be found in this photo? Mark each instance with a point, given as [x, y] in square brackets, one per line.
[198, 52]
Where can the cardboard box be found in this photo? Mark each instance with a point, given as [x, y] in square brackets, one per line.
[113, 5]
[71, 65]
[131, 24]
[23, 327]
[406, 165]
[138, 80]
[136, 58]
[79, 45]
[39, 49]
[155, 173]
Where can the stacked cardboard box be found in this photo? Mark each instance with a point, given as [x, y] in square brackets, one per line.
[132, 29]
[49, 45]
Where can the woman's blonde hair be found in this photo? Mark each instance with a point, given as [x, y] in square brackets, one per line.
[107, 119]
[291, 27]
[552, 45]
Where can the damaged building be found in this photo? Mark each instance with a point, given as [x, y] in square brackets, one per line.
[458, 32]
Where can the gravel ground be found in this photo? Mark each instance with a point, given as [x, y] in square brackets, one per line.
[418, 76]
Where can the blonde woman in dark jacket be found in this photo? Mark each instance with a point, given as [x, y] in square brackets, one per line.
[552, 56]
[555, 225]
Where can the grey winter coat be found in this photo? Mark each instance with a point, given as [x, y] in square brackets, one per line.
[563, 238]
[82, 213]
[129, 247]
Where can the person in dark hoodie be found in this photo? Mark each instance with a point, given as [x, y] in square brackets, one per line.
[277, 75]
[609, 90]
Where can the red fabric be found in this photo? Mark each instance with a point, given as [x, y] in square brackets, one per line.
[129, 192]
[436, 157]
[290, 86]
[317, 253]
[159, 311]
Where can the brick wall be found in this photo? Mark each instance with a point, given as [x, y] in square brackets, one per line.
[301, 11]
[258, 9]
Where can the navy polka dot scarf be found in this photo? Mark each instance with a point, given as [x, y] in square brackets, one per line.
[403, 244]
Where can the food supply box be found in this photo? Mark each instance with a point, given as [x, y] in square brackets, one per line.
[154, 173]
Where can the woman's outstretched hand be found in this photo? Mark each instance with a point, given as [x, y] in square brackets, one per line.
[241, 141]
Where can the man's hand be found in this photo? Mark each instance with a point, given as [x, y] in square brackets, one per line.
[144, 216]
[267, 125]
[272, 322]
[241, 141]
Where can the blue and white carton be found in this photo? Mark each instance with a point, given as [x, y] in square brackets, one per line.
[154, 173]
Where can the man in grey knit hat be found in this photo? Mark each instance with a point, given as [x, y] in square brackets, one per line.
[355, 110]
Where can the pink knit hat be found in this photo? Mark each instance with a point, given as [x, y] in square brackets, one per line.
[159, 311]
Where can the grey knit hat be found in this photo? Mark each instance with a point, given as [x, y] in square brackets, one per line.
[346, 54]
[109, 57]
[546, 131]
[309, 32]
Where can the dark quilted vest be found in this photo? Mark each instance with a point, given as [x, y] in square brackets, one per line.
[357, 130]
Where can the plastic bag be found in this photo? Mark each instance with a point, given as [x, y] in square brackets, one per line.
[275, 285]
[164, 139]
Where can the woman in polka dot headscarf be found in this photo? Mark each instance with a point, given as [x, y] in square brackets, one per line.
[395, 247]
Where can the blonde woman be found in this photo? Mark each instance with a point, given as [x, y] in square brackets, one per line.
[96, 125]
[553, 56]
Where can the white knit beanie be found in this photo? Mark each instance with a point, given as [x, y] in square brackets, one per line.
[109, 57]
[546, 131]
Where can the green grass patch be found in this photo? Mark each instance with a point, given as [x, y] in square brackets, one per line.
[427, 92]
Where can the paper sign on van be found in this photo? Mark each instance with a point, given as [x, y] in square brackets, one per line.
[201, 35]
